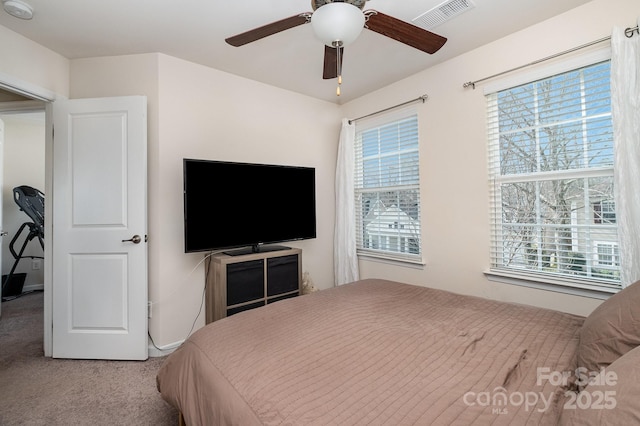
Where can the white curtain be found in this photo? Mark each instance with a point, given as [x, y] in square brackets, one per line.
[344, 241]
[625, 107]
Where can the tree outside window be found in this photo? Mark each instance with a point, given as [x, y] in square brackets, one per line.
[551, 163]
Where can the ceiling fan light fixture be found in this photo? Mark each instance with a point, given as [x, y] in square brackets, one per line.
[337, 24]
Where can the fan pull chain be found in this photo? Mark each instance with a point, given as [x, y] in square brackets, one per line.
[339, 67]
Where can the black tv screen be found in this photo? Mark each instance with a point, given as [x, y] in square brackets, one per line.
[230, 204]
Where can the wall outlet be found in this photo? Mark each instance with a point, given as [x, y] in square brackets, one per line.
[36, 264]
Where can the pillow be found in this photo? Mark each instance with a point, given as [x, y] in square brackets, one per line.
[610, 398]
[611, 330]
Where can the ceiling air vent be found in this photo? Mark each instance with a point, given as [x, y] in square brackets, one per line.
[442, 13]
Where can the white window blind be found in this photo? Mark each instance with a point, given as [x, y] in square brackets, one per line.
[551, 170]
[387, 188]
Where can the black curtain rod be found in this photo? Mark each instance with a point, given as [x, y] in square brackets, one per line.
[422, 98]
[627, 32]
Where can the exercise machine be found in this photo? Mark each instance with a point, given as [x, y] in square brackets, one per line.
[31, 201]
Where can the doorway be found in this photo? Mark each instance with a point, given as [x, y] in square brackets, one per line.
[23, 158]
[79, 121]
[18, 98]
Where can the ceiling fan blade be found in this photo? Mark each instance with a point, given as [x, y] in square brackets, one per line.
[331, 62]
[404, 32]
[267, 30]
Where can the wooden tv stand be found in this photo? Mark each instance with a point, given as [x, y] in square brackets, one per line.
[247, 281]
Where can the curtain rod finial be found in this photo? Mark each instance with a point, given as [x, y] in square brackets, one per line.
[629, 31]
[469, 84]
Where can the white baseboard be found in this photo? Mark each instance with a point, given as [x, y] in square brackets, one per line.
[33, 287]
[158, 351]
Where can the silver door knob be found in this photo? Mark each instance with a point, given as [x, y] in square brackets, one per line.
[135, 239]
[3, 233]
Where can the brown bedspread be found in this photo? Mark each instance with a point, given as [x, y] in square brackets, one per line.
[374, 352]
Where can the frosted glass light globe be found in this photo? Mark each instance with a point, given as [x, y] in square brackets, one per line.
[335, 22]
[18, 9]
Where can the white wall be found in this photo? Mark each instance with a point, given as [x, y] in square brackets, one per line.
[199, 112]
[209, 114]
[454, 179]
[23, 164]
[31, 63]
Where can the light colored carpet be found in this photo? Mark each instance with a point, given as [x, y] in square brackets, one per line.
[35, 390]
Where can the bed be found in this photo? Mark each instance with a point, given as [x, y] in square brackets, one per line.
[381, 352]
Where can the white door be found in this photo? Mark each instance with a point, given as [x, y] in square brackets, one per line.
[99, 252]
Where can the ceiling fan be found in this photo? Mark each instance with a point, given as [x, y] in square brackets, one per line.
[339, 22]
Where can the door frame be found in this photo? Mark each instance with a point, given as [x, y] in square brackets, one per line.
[37, 93]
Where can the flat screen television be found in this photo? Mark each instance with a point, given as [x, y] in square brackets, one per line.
[246, 205]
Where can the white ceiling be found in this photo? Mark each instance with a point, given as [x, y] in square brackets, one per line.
[195, 30]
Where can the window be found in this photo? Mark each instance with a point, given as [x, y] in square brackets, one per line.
[387, 188]
[551, 170]
[604, 212]
[607, 254]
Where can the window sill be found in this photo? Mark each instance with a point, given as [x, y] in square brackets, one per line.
[410, 263]
[574, 288]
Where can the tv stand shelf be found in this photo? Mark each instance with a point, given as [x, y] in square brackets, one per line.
[238, 283]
